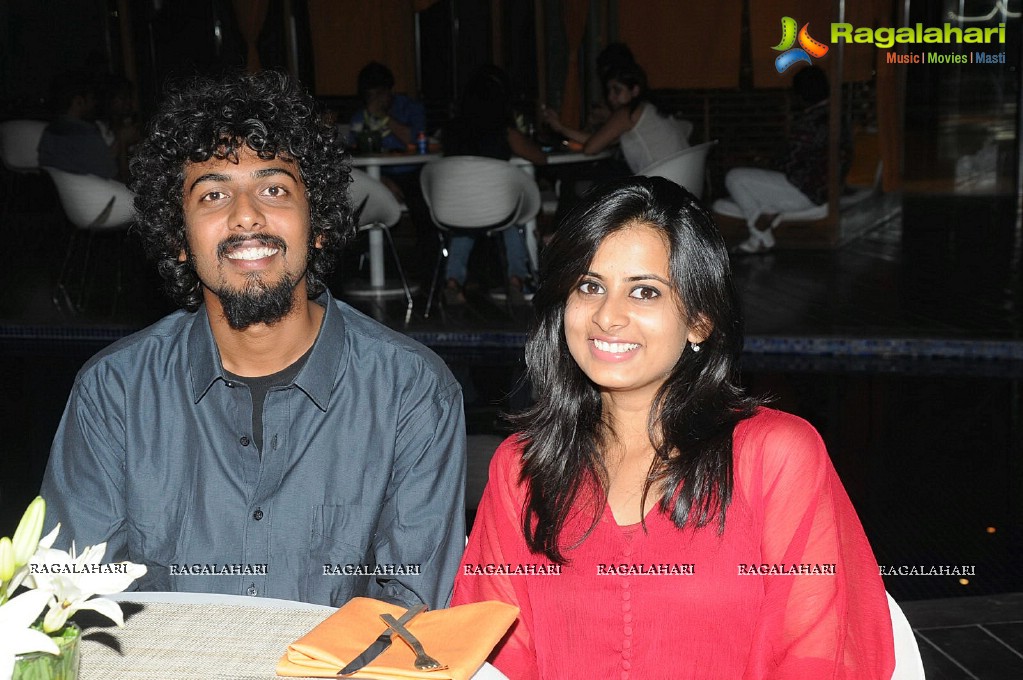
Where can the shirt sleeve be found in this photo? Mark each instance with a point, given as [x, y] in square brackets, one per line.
[825, 625]
[84, 481]
[497, 539]
[423, 520]
[410, 112]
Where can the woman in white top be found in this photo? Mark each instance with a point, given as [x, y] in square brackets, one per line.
[645, 135]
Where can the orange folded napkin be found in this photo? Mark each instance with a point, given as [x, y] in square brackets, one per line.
[461, 637]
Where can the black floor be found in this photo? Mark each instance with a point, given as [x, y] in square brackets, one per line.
[904, 347]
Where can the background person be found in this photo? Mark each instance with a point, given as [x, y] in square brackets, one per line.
[642, 450]
[485, 126]
[73, 142]
[646, 136]
[396, 121]
[800, 178]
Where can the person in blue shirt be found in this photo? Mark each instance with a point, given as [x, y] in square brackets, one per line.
[395, 120]
[73, 142]
[266, 440]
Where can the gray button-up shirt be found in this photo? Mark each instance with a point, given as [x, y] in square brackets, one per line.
[359, 491]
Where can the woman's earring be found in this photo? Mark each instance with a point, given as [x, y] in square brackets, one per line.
[695, 346]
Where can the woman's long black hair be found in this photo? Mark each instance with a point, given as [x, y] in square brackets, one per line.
[213, 118]
[695, 411]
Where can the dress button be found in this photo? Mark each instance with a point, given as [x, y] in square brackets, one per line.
[625, 675]
[626, 606]
[257, 515]
[626, 665]
[627, 618]
[251, 590]
[244, 441]
[626, 595]
[626, 583]
[627, 644]
[627, 630]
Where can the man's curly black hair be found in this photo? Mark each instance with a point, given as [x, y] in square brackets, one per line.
[213, 117]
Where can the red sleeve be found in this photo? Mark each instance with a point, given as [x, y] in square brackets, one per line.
[825, 626]
[496, 539]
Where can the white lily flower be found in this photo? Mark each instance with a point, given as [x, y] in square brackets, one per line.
[16, 615]
[72, 579]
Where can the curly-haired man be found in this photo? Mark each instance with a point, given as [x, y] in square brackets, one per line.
[266, 440]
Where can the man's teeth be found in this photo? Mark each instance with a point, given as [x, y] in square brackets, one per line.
[614, 347]
[251, 253]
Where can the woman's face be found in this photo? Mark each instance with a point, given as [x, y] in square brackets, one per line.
[620, 95]
[624, 323]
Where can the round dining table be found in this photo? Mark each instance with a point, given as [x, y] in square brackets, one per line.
[177, 636]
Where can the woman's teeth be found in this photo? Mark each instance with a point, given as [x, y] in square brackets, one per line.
[614, 347]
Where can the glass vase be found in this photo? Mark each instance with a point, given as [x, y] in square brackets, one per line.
[43, 666]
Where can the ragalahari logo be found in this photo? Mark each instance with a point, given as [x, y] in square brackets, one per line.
[808, 47]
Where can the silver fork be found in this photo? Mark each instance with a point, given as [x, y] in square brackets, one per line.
[423, 662]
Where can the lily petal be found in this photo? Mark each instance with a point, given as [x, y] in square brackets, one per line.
[107, 608]
[21, 611]
[28, 640]
[47, 540]
[106, 584]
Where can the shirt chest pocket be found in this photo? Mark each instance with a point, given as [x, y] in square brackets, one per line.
[341, 534]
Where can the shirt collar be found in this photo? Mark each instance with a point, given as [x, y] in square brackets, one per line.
[316, 379]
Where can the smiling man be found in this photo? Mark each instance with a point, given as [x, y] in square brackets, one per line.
[266, 440]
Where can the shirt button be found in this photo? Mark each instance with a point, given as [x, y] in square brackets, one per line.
[627, 630]
[626, 644]
[626, 595]
[626, 665]
[626, 606]
[244, 441]
[627, 618]
[626, 583]
[625, 675]
[257, 515]
[251, 590]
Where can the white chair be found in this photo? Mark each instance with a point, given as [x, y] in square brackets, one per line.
[908, 664]
[685, 168]
[377, 209]
[685, 129]
[92, 204]
[472, 193]
[19, 150]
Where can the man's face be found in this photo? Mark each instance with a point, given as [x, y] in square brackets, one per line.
[247, 235]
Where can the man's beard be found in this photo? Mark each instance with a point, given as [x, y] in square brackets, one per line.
[257, 302]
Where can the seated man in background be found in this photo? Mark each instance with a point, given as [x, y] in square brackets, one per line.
[266, 440]
[73, 142]
[391, 122]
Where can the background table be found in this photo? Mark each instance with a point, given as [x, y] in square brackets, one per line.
[176, 636]
[372, 163]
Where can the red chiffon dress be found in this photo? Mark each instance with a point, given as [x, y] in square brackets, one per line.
[791, 589]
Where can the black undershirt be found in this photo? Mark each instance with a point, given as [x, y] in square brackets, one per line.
[260, 385]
